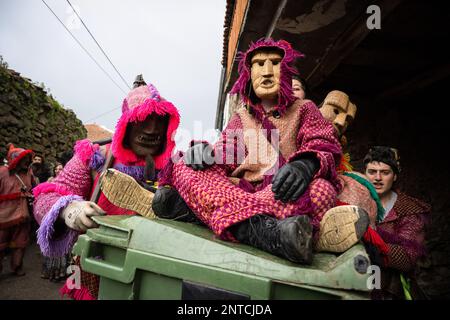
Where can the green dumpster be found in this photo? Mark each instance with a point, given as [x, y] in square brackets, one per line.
[140, 258]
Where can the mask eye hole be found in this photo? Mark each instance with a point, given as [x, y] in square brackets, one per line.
[336, 111]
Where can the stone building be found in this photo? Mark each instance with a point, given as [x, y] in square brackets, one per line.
[30, 118]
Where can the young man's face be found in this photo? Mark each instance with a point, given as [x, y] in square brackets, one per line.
[297, 89]
[147, 137]
[381, 176]
[265, 73]
[37, 159]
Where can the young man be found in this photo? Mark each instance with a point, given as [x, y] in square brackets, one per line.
[401, 227]
[15, 186]
[40, 168]
[141, 146]
[278, 199]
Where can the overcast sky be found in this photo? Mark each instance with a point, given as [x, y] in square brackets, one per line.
[175, 44]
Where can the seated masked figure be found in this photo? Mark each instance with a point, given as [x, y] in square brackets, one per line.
[356, 189]
[270, 180]
[141, 146]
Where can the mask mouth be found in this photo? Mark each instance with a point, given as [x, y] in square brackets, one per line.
[149, 140]
[267, 83]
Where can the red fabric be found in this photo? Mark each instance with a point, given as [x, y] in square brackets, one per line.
[403, 229]
[11, 196]
[13, 211]
[341, 203]
[15, 155]
[371, 236]
[76, 294]
[219, 203]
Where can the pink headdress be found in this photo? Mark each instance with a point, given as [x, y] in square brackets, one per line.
[138, 105]
[243, 84]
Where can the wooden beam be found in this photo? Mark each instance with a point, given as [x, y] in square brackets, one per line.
[346, 43]
[420, 81]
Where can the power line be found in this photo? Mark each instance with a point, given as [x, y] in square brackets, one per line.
[102, 114]
[100, 47]
[85, 50]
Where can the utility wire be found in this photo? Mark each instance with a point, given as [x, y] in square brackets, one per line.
[100, 47]
[102, 114]
[85, 50]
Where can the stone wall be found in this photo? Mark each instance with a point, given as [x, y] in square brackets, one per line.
[418, 128]
[30, 118]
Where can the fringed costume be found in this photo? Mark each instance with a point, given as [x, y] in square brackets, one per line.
[81, 174]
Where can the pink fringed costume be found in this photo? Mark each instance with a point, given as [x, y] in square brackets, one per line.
[238, 187]
[80, 175]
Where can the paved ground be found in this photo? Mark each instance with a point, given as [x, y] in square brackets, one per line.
[30, 286]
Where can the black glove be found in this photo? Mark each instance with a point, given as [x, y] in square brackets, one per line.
[200, 156]
[168, 204]
[291, 181]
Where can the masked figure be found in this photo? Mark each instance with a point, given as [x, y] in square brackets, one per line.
[271, 180]
[141, 146]
[16, 181]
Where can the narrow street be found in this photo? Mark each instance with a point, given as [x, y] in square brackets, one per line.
[30, 286]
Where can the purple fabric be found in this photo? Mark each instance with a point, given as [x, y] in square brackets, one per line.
[137, 172]
[97, 161]
[165, 175]
[398, 240]
[51, 247]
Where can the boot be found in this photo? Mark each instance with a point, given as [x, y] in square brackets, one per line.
[168, 204]
[289, 238]
[341, 228]
[125, 192]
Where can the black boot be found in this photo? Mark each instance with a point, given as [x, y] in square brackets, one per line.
[289, 238]
[168, 204]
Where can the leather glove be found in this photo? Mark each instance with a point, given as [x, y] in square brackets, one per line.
[77, 215]
[200, 156]
[168, 204]
[291, 181]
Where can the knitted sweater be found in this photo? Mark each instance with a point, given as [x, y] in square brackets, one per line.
[246, 154]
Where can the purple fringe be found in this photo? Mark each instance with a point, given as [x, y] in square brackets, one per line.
[97, 161]
[137, 172]
[165, 175]
[242, 84]
[51, 247]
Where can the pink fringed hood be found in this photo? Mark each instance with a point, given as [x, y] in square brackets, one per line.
[243, 84]
[138, 105]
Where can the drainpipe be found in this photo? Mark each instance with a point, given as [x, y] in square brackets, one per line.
[219, 112]
[276, 17]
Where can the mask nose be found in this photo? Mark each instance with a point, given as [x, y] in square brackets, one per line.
[339, 121]
[268, 69]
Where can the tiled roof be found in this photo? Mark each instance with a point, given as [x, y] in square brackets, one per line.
[97, 132]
